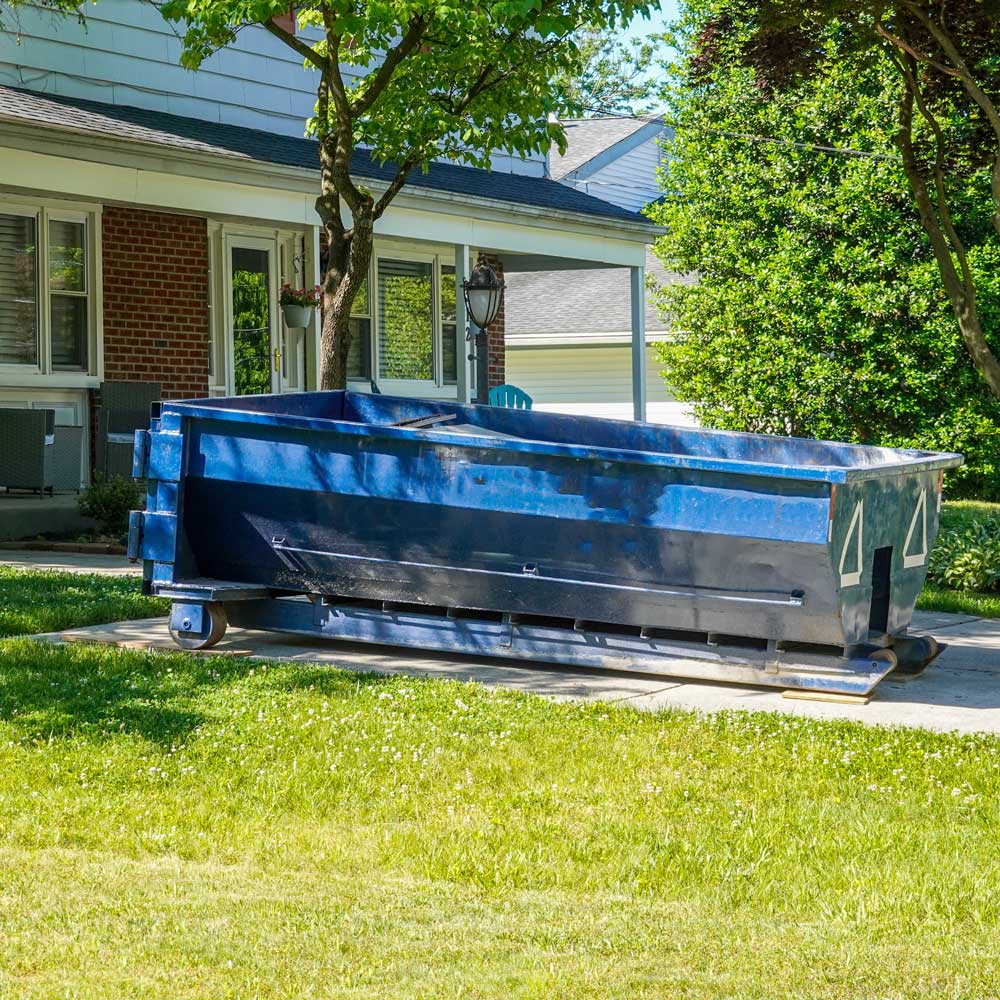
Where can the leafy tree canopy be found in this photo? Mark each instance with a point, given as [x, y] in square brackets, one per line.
[946, 119]
[412, 80]
[58, 6]
[612, 74]
[818, 308]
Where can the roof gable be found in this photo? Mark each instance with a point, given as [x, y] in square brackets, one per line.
[593, 142]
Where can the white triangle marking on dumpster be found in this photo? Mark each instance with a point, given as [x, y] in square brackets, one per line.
[918, 558]
[857, 522]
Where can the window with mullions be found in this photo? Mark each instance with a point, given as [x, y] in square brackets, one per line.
[30, 333]
[68, 292]
[403, 324]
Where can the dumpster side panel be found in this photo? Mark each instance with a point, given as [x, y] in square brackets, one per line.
[448, 524]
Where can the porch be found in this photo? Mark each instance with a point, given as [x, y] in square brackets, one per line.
[26, 516]
[181, 233]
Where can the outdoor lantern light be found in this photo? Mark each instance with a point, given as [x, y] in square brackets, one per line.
[483, 295]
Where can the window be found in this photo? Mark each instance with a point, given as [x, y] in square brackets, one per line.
[18, 291]
[403, 324]
[68, 293]
[406, 320]
[45, 290]
[449, 343]
[359, 355]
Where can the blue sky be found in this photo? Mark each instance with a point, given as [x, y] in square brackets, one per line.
[657, 22]
[640, 26]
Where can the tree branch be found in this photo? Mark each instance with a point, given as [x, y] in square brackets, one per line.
[912, 50]
[976, 92]
[960, 292]
[381, 77]
[336, 163]
[395, 185]
[944, 213]
[306, 51]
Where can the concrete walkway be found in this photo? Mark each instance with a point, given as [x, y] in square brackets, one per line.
[960, 691]
[70, 562]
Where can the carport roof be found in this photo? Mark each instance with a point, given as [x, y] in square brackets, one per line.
[239, 143]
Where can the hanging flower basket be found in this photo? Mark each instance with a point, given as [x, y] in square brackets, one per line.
[297, 316]
[298, 305]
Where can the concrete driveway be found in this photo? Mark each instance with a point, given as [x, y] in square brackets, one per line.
[70, 562]
[960, 691]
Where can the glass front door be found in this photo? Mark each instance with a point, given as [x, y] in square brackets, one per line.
[256, 354]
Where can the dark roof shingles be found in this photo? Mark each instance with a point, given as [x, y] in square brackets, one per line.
[564, 303]
[160, 128]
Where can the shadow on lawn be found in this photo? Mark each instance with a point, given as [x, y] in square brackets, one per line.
[52, 692]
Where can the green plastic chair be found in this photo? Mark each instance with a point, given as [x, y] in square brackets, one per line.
[510, 396]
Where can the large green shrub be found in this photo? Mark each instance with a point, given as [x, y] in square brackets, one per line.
[818, 308]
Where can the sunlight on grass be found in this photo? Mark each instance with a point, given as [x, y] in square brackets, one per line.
[980, 604]
[34, 601]
[173, 826]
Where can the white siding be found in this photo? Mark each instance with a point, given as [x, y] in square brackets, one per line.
[127, 54]
[629, 180]
[593, 381]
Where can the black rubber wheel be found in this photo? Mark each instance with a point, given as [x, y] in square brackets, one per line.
[214, 622]
[916, 653]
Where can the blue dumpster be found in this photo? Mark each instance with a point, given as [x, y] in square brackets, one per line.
[538, 536]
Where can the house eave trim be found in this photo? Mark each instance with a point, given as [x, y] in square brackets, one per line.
[574, 339]
[143, 155]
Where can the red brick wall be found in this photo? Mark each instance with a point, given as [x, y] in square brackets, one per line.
[156, 300]
[496, 334]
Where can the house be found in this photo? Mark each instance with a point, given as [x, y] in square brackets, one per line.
[569, 333]
[149, 215]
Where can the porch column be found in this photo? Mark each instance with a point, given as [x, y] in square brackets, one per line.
[638, 342]
[462, 256]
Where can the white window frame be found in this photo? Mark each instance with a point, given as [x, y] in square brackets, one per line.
[42, 373]
[435, 388]
[269, 244]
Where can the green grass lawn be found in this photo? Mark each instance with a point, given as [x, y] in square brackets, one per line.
[38, 601]
[982, 604]
[182, 827]
[955, 513]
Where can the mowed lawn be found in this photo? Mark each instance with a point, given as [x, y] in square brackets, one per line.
[177, 827]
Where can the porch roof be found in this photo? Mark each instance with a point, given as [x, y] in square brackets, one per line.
[252, 145]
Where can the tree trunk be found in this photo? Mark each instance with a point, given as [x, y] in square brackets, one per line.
[350, 254]
[935, 220]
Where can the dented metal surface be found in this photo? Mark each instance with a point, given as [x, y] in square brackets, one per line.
[562, 519]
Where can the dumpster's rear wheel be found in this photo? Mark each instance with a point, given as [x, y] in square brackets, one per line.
[213, 628]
